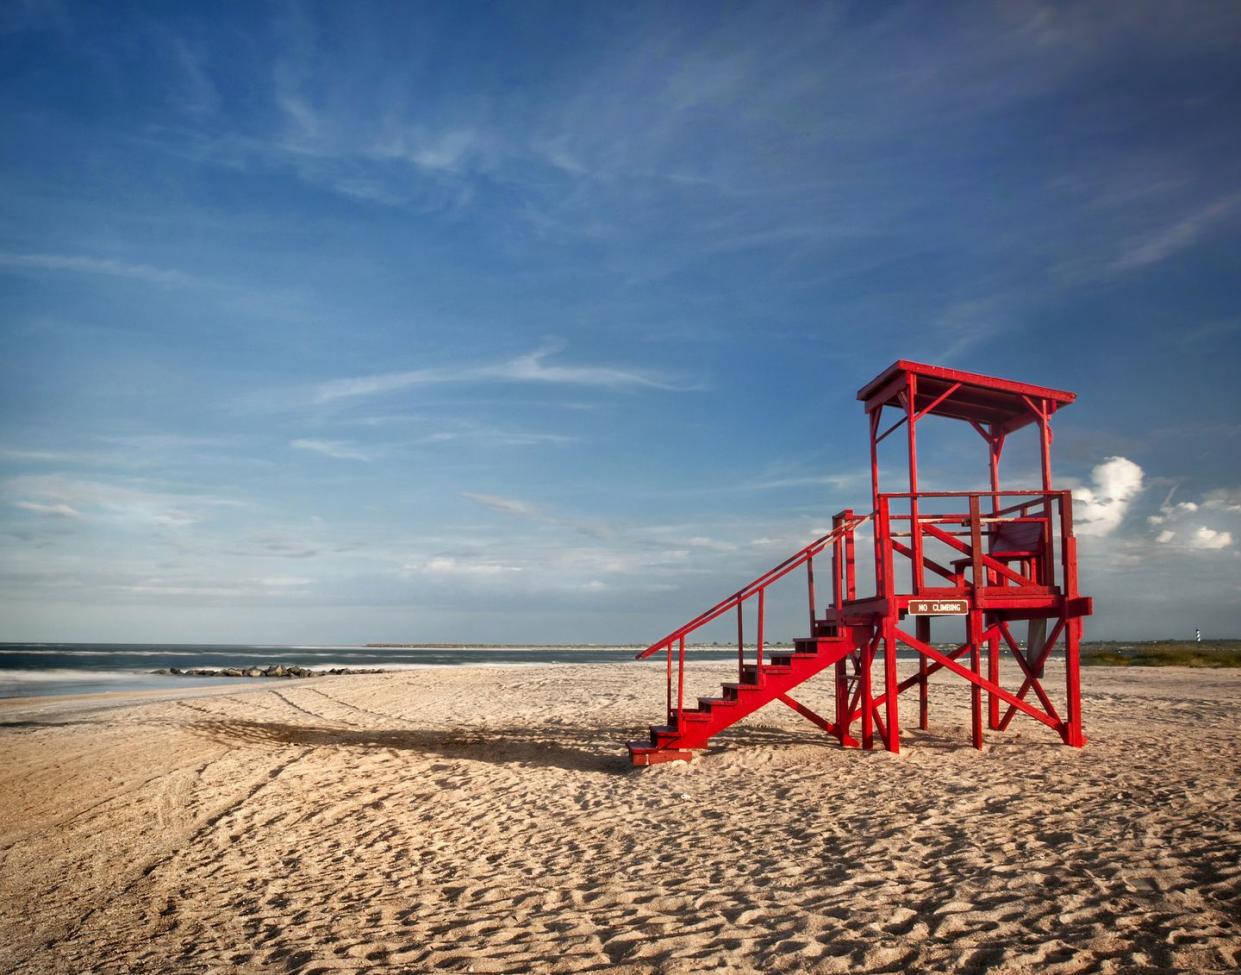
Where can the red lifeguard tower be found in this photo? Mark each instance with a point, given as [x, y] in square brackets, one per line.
[993, 558]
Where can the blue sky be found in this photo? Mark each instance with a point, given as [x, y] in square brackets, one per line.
[544, 322]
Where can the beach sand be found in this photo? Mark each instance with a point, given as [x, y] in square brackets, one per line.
[485, 819]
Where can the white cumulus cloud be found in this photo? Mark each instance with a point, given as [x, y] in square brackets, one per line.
[1209, 538]
[1101, 507]
[1183, 521]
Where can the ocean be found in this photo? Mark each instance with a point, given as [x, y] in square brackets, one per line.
[36, 669]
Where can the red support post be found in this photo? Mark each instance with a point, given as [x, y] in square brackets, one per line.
[1073, 734]
[842, 704]
[993, 675]
[874, 487]
[1044, 431]
[974, 625]
[890, 682]
[922, 630]
[911, 394]
[868, 697]
[1073, 627]
[995, 447]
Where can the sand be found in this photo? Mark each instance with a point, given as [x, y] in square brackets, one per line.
[484, 819]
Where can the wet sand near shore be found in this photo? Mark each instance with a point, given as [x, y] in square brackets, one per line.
[485, 819]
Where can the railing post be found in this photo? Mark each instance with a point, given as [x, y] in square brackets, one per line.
[669, 695]
[1073, 734]
[740, 641]
[1068, 546]
[883, 532]
[979, 579]
[810, 590]
[838, 561]
[758, 663]
[850, 557]
[681, 683]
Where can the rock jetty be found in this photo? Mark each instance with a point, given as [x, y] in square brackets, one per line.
[271, 671]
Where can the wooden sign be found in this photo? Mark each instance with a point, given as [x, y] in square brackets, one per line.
[938, 607]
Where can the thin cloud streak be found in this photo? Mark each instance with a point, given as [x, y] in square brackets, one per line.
[61, 510]
[529, 368]
[82, 264]
[336, 449]
[1178, 237]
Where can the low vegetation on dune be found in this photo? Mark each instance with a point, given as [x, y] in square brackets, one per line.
[1163, 653]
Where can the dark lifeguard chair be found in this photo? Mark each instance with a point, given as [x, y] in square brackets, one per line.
[992, 558]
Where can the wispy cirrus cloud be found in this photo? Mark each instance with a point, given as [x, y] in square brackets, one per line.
[61, 510]
[446, 566]
[509, 506]
[336, 449]
[1182, 234]
[524, 509]
[531, 367]
[122, 502]
[84, 264]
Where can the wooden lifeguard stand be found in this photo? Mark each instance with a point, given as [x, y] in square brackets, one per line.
[993, 558]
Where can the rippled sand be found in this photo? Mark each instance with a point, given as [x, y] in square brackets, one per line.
[484, 819]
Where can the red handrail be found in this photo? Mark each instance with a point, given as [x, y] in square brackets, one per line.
[757, 586]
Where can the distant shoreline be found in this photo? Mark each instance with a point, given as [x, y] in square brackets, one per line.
[1162, 653]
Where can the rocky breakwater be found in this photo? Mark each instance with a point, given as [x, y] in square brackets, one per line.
[272, 671]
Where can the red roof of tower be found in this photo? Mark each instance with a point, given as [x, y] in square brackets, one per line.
[1003, 403]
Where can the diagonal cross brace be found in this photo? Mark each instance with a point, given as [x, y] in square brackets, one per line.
[1031, 671]
[855, 712]
[986, 559]
[1036, 666]
[929, 651]
[828, 726]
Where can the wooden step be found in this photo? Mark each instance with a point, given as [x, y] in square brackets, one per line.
[640, 753]
[815, 645]
[791, 660]
[767, 669]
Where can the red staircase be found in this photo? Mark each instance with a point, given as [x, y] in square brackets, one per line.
[760, 681]
[694, 727]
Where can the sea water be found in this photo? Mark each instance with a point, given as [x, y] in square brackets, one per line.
[83, 668]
